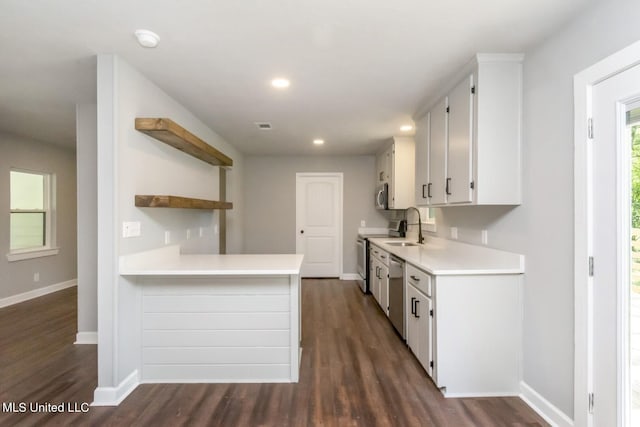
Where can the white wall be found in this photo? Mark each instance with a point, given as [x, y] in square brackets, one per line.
[270, 198]
[17, 277]
[87, 185]
[542, 227]
[129, 163]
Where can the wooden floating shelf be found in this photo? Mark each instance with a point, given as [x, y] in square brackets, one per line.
[156, 201]
[171, 133]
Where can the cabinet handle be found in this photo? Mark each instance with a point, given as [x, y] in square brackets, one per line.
[383, 256]
[416, 309]
[378, 272]
[413, 311]
[423, 187]
[447, 187]
[429, 190]
[417, 279]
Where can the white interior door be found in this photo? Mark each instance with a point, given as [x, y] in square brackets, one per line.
[319, 223]
[610, 291]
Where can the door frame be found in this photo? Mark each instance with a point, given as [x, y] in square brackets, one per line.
[583, 84]
[339, 207]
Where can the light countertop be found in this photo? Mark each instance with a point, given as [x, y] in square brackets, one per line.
[168, 261]
[445, 257]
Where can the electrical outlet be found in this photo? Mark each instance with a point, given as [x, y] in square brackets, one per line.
[363, 223]
[485, 237]
[454, 233]
[131, 229]
[188, 233]
[215, 229]
[36, 277]
[167, 237]
[200, 232]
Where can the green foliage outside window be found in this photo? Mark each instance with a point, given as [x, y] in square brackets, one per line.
[635, 177]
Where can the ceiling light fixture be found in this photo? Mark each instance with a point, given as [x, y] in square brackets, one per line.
[147, 38]
[280, 83]
[318, 141]
[406, 128]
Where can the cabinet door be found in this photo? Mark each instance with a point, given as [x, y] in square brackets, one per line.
[412, 320]
[372, 274]
[420, 327]
[424, 310]
[375, 279]
[460, 143]
[422, 161]
[380, 178]
[438, 152]
[388, 174]
[388, 163]
[384, 288]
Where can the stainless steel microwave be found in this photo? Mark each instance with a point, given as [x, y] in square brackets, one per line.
[382, 196]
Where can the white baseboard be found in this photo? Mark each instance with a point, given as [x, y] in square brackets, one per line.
[350, 276]
[543, 407]
[86, 338]
[15, 299]
[113, 396]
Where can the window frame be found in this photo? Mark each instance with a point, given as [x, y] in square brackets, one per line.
[49, 248]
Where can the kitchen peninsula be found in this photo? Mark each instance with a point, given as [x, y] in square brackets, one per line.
[216, 318]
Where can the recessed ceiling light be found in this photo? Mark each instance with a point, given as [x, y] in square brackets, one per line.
[280, 83]
[318, 141]
[406, 128]
[147, 38]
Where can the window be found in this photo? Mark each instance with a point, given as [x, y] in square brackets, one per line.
[31, 231]
[428, 218]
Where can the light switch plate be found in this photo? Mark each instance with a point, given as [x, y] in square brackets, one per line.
[363, 223]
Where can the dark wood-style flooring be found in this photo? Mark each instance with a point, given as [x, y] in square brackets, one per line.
[354, 372]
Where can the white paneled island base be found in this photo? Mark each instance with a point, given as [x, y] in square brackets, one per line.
[217, 318]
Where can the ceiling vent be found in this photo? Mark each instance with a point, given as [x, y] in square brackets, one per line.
[263, 125]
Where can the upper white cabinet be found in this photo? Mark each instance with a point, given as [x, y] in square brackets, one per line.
[469, 140]
[422, 152]
[396, 164]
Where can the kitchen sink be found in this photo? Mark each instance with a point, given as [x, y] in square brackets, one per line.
[401, 244]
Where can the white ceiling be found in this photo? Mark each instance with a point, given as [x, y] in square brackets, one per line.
[358, 68]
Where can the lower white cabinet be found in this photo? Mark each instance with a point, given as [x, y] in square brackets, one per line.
[465, 330]
[420, 327]
[379, 274]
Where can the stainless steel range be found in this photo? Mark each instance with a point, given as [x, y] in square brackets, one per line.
[396, 229]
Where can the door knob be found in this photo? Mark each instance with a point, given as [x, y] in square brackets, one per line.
[301, 231]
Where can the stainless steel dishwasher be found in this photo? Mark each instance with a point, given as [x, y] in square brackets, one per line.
[396, 294]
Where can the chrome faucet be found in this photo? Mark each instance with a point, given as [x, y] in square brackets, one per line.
[420, 238]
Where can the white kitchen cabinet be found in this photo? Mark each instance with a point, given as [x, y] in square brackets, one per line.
[383, 167]
[474, 139]
[437, 161]
[396, 162]
[384, 289]
[380, 277]
[465, 330]
[458, 185]
[420, 327]
[477, 335]
[422, 157]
